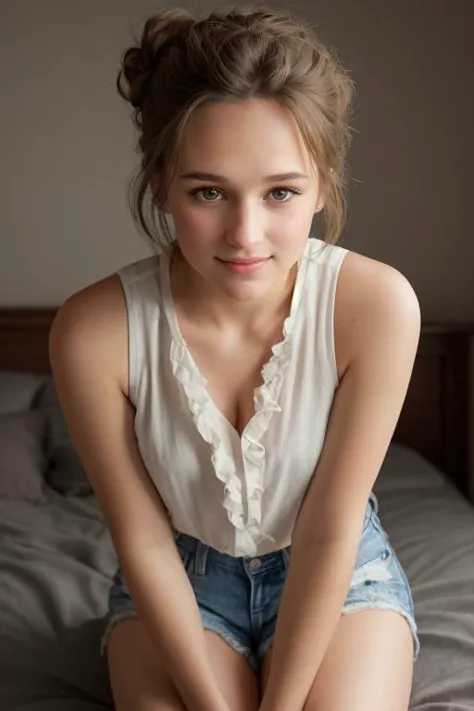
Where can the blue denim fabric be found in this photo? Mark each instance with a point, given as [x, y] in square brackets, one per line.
[238, 598]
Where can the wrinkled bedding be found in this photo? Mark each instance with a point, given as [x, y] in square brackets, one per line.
[57, 561]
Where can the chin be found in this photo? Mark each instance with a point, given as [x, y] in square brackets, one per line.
[240, 288]
[244, 292]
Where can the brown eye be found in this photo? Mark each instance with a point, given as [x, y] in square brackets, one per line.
[284, 194]
[206, 194]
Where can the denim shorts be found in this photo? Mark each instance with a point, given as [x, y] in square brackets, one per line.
[238, 598]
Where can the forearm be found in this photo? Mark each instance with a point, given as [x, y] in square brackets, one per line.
[166, 605]
[318, 580]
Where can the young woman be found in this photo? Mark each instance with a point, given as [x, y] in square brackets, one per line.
[233, 397]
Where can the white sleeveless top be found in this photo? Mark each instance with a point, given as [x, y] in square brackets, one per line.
[240, 495]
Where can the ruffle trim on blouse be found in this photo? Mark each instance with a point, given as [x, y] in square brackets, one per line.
[266, 401]
[204, 411]
[266, 398]
[194, 386]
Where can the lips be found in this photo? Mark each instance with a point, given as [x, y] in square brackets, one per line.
[255, 260]
[244, 266]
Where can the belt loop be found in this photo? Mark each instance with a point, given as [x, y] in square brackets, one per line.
[286, 556]
[375, 504]
[201, 558]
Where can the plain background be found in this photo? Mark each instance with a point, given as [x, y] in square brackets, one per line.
[67, 143]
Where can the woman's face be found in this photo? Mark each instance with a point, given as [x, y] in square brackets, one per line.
[242, 196]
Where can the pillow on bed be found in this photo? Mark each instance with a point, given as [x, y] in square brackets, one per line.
[18, 390]
[65, 472]
[22, 458]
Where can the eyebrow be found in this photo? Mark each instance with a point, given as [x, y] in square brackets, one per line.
[221, 179]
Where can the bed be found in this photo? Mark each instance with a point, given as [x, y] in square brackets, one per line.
[57, 559]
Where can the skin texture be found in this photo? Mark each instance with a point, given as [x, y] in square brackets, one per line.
[247, 214]
[379, 334]
[230, 321]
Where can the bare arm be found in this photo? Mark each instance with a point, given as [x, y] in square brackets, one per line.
[327, 533]
[88, 352]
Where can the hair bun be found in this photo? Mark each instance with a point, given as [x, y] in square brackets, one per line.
[140, 61]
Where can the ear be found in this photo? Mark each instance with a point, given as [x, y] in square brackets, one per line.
[320, 201]
[320, 190]
[323, 188]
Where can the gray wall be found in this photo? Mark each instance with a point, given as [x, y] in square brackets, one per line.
[67, 145]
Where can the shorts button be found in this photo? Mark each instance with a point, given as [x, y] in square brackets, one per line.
[255, 563]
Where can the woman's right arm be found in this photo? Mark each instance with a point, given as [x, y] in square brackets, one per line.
[89, 359]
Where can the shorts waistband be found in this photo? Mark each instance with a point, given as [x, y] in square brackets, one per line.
[202, 554]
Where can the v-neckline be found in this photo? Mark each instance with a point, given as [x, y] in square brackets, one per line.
[279, 351]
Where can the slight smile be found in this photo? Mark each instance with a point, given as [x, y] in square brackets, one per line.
[244, 266]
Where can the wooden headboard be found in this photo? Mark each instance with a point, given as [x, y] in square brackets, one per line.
[436, 419]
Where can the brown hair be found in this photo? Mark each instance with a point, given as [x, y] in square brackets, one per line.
[183, 61]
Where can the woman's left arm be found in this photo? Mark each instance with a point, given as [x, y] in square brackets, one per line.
[384, 334]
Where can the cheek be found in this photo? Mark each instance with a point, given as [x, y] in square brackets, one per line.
[286, 227]
[195, 220]
[291, 227]
[194, 230]
[185, 221]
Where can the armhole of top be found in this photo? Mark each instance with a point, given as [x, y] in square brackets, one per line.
[131, 340]
[336, 264]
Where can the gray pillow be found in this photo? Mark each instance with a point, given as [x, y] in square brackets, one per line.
[18, 390]
[22, 458]
[65, 472]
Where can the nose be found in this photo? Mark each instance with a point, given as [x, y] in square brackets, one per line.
[245, 227]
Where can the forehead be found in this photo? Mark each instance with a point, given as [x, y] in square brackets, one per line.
[244, 140]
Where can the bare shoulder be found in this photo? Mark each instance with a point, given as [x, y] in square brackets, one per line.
[91, 326]
[373, 300]
[89, 360]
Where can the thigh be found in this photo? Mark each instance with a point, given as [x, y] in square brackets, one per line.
[140, 683]
[368, 665]
[237, 679]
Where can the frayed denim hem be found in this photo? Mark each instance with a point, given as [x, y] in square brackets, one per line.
[113, 622]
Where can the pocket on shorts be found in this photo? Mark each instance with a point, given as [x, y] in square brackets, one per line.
[374, 556]
[375, 569]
